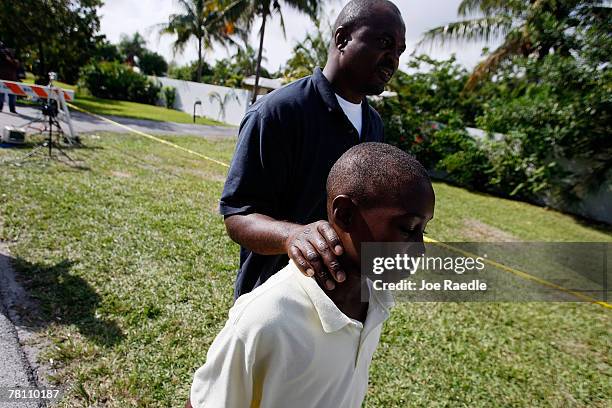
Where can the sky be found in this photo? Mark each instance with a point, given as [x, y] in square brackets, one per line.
[144, 16]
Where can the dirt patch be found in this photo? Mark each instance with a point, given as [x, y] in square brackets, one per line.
[204, 174]
[23, 312]
[478, 231]
[121, 174]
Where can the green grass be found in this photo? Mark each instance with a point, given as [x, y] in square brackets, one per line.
[138, 111]
[131, 109]
[134, 274]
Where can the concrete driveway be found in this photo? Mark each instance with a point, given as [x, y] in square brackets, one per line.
[84, 123]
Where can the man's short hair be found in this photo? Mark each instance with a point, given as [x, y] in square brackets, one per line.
[357, 12]
[372, 173]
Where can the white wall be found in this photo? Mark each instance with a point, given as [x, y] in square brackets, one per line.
[188, 92]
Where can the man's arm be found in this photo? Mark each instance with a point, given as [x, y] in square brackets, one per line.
[313, 247]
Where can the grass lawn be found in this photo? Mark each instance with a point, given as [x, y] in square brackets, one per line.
[131, 109]
[134, 275]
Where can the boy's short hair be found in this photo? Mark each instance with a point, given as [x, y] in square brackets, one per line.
[374, 173]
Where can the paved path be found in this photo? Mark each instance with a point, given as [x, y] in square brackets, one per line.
[15, 367]
[83, 122]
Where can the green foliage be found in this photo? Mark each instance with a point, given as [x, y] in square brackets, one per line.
[112, 80]
[429, 116]
[208, 21]
[561, 124]
[529, 28]
[51, 35]
[309, 53]
[151, 63]
[169, 94]
[133, 50]
[188, 72]
[228, 72]
[106, 51]
[553, 114]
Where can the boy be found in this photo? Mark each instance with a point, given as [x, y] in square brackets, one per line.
[290, 343]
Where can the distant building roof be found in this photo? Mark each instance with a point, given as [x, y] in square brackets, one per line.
[266, 84]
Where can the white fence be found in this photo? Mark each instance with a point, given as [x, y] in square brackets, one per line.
[218, 102]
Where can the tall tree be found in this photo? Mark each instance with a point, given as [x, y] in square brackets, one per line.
[528, 27]
[134, 46]
[247, 10]
[202, 19]
[51, 35]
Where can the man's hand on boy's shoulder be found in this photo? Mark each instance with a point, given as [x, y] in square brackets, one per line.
[314, 248]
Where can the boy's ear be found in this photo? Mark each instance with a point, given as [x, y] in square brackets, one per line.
[343, 211]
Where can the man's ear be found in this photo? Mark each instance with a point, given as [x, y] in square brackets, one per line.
[341, 38]
[343, 212]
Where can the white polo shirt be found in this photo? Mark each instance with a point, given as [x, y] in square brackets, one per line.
[286, 344]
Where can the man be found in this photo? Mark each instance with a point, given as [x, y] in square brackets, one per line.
[9, 67]
[274, 197]
[289, 343]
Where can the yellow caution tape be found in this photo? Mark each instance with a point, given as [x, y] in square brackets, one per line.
[157, 139]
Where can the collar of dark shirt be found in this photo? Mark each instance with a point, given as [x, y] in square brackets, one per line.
[328, 95]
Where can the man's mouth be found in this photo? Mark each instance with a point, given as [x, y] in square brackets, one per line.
[385, 73]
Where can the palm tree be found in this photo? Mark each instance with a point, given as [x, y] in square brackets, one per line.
[203, 19]
[529, 27]
[246, 10]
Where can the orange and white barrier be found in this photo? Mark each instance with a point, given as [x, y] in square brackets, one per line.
[43, 92]
[38, 91]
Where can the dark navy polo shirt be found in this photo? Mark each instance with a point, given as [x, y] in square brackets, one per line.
[287, 144]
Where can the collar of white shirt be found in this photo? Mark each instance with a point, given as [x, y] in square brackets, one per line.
[332, 318]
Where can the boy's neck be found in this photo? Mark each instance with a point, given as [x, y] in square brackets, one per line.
[347, 296]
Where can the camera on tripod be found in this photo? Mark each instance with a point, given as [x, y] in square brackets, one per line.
[49, 108]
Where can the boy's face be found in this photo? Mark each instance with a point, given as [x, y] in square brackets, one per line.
[401, 220]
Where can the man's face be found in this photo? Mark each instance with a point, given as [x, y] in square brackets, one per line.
[371, 54]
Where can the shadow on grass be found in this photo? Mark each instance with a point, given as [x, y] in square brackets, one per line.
[61, 297]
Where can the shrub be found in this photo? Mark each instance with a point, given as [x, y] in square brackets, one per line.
[169, 95]
[113, 80]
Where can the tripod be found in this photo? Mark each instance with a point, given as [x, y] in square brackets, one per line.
[50, 112]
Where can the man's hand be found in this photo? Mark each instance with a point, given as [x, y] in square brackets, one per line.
[314, 248]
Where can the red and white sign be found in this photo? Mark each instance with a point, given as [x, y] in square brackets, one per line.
[39, 91]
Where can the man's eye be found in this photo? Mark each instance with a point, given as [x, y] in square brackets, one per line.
[384, 42]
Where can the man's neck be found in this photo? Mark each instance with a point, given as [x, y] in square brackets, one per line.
[340, 86]
[347, 296]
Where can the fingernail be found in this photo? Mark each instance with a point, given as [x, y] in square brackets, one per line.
[340, 276]
[338, 250]
[310, 272]
[329, 285]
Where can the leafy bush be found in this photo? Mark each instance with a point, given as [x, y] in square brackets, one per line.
[113, 80]
[169, 95]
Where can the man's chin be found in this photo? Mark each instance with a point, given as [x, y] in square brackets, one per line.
[375, 89]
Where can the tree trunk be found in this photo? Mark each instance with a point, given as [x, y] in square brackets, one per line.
[42, 66]
[259, 54]
[199, 75]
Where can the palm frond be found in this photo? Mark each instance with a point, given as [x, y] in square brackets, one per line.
[487, 7]
[515, 43]
[477, 29]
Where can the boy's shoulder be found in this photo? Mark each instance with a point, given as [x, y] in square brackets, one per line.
[280, 303]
